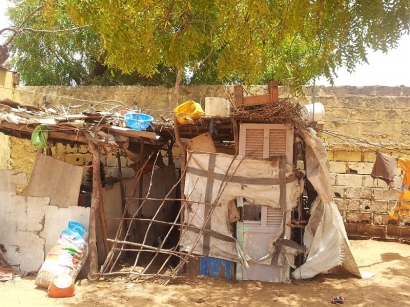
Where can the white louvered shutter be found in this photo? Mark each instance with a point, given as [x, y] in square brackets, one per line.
[266, 141]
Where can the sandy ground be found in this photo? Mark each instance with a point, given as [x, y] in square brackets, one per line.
[388, 287]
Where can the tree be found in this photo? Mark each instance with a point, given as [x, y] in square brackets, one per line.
[49, 49]
[249, 41]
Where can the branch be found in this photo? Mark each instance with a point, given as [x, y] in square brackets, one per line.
[20, 29]
[22, 24]
[210, 52]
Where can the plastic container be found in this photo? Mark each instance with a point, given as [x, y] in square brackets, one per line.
[314, 112]
[138, 121]
[217, 107]
[188, 111]
[61, 286]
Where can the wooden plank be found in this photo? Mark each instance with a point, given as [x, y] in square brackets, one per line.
[235, 129]
[202, 142]
[273, 91]
[256, 100]
[238, 94]
[133, 133]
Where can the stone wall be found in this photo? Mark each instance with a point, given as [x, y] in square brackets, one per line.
[358, 122]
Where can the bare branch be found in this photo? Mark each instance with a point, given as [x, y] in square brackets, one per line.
[20, 29]
[9, 40]
[29, 15]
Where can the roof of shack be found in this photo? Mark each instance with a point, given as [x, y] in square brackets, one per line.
[108, 128]
[102, 128]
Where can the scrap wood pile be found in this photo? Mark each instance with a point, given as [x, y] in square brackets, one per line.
[282, 112]
[77, 116]
[103, 123]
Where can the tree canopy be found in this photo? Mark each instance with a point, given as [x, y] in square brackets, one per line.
[248, 41]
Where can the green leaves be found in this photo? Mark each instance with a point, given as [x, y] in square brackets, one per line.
[251, 41]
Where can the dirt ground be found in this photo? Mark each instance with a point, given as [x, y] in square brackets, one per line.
[390, 262]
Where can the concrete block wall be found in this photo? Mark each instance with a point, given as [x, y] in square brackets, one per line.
[364, 202]
[359, 122]
[80, 155]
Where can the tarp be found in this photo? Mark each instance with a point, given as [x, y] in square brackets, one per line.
[212, 181]
[325, 235]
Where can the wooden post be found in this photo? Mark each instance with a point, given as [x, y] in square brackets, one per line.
[96, 204]
[238, 94]
[273, 91]
[140, 188]
[122, 190]
[235, 129]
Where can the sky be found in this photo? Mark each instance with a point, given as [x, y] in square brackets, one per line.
[391, 69]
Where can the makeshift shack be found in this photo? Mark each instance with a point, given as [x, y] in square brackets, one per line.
[252, 199]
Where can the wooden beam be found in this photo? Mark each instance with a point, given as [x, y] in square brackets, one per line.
[132, 133]
[256, 100]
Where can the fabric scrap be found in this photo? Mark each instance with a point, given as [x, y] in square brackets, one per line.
[384, 167]
[402, 206]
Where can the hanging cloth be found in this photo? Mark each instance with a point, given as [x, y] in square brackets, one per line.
[402, 206]
[384, 167]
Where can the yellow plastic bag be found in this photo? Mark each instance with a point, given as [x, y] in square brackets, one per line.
[188, 111]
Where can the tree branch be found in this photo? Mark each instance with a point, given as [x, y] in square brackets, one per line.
[21, 25]
[20, 29]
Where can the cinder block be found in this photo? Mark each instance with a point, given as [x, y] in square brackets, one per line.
[341, 155]
[365, 205]
[382, 194]
[126, 172]
[355, 192]
[351, 228]
[330, 155]
[369, 156]
[362, 168]
[369, 182]
[333, 179]
[88, 158]
[351, 180]
[405, 221]
[381, 219]
[342, 204]
[354, 217]
[379, 206]
[372, 231]
[339, 191]
[71, 149]
[354, 205]
[338, 167]
[398, 180]
[398, 172]
[393, 231]
[404, 232]
[82, 149]
[111, 161]
[74, 159]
